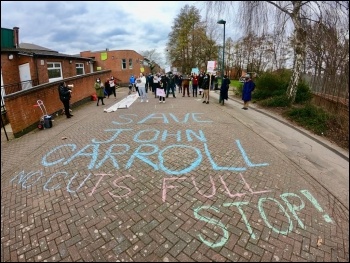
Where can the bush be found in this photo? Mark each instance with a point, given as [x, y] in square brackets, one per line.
[309, 116]
[276, 101]
[272, 84]
[239, 88]
[303, 93]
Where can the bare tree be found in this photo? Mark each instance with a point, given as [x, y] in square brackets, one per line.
[255, 16]
[327, 59]
[153, 58]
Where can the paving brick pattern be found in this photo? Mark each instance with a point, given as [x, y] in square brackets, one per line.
[167, 188]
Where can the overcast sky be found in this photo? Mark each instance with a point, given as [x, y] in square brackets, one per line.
[71, 27]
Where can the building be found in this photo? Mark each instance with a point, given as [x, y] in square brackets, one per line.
[30, 72]
[25, 65]
[122, 63]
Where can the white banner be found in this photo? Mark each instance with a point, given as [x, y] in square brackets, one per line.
[124, 103]
[211, 67]
[167, 69]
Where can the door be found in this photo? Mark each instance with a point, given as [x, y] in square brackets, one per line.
[91, 67]
[24, 74]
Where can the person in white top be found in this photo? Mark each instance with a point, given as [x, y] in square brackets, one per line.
[112, 86]
[156, 85]
[141, 83]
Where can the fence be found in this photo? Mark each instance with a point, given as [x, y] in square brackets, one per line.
[331, 88]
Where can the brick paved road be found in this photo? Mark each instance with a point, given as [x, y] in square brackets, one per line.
[180, 181]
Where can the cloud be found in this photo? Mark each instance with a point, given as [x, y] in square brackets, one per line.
[73, 26]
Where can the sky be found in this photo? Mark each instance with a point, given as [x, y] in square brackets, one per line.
[70, 27]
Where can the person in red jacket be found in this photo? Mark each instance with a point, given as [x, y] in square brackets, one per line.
[194, 85]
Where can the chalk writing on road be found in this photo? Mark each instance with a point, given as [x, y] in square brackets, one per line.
[272, 202]
[113, 150]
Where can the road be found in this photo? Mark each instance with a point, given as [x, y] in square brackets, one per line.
[179, 181]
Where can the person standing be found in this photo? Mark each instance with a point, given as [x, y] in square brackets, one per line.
[205, 87]
[65, 94]
[141, 83]
[194, 85]
[200, 83]
[132, 82]
[107, 88]
[224, 89]
[112, 86]
[212, 81]
[163, 87]
[150, 82]
[180, 83]
[186, 86]
[171, 85]
[248, 88]
[147, 84]
[156, 85]
[99, 91]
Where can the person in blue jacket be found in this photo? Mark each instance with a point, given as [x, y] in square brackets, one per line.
[248, 88]
[132, 82]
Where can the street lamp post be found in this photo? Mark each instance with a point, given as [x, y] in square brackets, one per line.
[223, 22]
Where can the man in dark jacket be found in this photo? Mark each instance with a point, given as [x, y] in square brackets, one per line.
[225, 85]
[205, 87]
[171, 85]
[149, 82]
[200, 82]
[65, 93]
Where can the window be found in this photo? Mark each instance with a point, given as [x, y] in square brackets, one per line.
[123, 63]
[80, 68]
[130, 63]
[54, 70]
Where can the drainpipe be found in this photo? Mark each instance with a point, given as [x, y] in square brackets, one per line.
[35, 57]
[16, 37]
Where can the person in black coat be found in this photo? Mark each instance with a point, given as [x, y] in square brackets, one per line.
[200, 83]
[107, 88]
[225, 85]
[164, 81]
[65, 94]
[171, 85]
[205, 87]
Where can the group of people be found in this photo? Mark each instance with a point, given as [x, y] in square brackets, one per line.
[105, 90]
[164, 84]
[161, 85]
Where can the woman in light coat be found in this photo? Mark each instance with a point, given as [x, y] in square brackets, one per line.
[141, 83]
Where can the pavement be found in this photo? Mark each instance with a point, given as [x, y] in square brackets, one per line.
[173, 181]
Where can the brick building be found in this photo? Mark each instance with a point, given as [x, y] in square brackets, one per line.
[26, 65]
[31, 72]
[122, 63]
